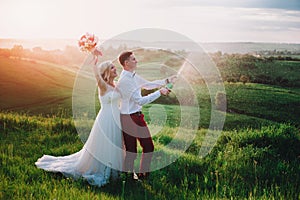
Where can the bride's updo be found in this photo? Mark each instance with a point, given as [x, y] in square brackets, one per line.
[103, 70]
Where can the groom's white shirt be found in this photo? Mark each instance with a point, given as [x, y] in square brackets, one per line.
[130, 85]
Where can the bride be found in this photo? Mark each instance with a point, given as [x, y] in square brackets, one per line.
[102, 155]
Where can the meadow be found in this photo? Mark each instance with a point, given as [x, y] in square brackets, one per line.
[256, 156]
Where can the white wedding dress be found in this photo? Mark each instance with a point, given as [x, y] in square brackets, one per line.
[101, 157]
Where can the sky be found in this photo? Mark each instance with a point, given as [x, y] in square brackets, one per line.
[199, 20]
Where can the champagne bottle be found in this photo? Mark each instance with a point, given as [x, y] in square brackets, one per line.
[169, 86]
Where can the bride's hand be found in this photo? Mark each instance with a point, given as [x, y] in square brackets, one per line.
[97, 52]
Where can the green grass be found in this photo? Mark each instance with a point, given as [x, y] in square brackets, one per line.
[44, 88]
[264, 101]
[289, 70]
[248, 106]
[256, 157]
[259, 70]
[245, 164]
[35, 87]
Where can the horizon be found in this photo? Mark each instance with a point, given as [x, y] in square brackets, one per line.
[209, 47]
[75, 39]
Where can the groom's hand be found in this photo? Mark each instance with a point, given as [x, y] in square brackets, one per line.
[164, 91]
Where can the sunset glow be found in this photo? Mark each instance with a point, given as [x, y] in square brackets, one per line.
[206, 21]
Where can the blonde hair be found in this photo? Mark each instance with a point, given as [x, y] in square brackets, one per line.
[103, 70]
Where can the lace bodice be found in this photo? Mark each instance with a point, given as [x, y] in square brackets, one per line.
[111, 97]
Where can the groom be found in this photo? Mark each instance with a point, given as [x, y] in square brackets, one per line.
[133, 124]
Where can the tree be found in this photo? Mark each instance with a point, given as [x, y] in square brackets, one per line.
[244, 79]
[17, 51]
[220, 101]
[37, 50]
[5, 52]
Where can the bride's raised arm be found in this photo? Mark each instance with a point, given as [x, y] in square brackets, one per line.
[88, 43]
[100, 82]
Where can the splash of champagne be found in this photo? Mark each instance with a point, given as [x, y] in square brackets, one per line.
[170, 85]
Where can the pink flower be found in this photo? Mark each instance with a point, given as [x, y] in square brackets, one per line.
[88, 43]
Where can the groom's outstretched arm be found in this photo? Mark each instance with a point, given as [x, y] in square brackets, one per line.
[150, 85]
[130, 91]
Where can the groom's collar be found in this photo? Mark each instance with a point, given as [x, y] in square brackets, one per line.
[128, 73]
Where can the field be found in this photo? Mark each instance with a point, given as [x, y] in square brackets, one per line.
[256, 156]
[35, 86]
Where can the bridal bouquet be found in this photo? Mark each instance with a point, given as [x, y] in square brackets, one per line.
[88, 43]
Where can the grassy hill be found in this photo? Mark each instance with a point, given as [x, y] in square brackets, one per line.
[245, 164]
[256, 157]
[35, 86]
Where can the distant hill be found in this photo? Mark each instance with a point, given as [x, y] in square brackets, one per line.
[35, 86]
[248, 47]
[47, 44]
[225, 47]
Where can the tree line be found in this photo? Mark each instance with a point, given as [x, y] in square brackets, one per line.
[70, 55]
[245, 68]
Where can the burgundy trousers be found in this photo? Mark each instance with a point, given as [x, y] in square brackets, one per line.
[135, 129]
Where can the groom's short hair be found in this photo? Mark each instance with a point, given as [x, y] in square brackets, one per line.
[124, 56]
